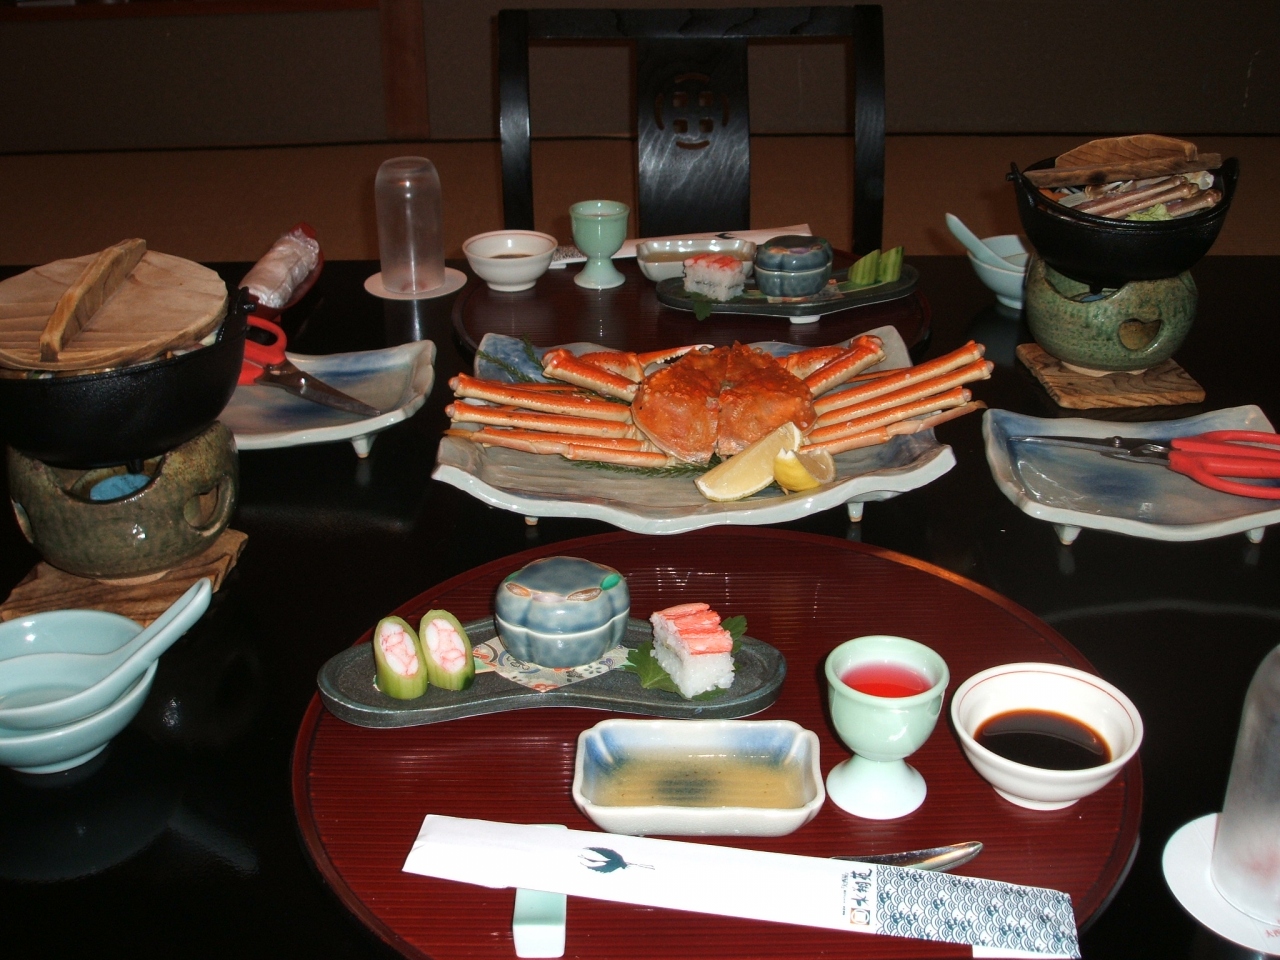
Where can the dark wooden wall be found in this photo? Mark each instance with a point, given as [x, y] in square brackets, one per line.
[312, 71]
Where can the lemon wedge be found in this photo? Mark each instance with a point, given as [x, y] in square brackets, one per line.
[751, 470]
[796, 472]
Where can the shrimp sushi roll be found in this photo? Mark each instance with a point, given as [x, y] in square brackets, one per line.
[715, 275]
[694, 649]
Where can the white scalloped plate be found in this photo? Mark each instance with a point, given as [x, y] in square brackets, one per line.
[550, 486]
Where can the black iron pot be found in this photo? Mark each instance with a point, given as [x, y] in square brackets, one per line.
[1108, 253]
[127, 414]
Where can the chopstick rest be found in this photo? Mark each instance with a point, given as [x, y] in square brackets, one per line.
[995, 918]
[538, 920]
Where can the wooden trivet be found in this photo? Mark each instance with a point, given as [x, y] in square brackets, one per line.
[48, 588]
[1163, 385]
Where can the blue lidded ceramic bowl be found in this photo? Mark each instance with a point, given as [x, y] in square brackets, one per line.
[792, 283]
[562, 611]
[793, 266]
[792, 252]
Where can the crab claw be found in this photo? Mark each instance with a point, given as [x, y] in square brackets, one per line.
[563, 365]
[866, 351]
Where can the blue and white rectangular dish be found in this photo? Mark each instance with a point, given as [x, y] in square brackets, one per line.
[676, 773]
[1076, 488]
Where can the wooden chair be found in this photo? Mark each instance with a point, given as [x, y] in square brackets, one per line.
[691, 107]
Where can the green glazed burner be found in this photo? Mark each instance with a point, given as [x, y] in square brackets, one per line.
[1131, 328]
[110, 524]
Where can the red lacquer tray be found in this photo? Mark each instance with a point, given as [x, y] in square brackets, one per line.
[361, 794]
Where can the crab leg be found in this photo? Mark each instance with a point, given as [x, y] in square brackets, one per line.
[535, 436]
[862, 353]
[505, 393]
[804, 362]
[551, 422]
[631, 365]
[901, 428]
[905, 411]
[570, 450]
[944, 364]
[978, 370]
[563, 365]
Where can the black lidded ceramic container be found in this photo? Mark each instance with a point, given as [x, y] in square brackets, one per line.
[128, 413]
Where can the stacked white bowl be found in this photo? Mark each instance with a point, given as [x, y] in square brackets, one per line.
[70, 680]
[1006, 284]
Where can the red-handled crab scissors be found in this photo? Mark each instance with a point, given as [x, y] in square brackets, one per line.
[267, 365]
[1208, 458]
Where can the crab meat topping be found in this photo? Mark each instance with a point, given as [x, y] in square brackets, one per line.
[398, 649]
[445, 645]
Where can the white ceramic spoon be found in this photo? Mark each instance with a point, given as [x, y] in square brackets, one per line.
[974, 245]
[53, 689]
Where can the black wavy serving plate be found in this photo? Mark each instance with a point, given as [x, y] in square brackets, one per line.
[346, 683]
[672, 293]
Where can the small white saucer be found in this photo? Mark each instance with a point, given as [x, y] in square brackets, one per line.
[1186, 870]
[453, 280]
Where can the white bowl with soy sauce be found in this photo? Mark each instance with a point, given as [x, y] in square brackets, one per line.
[1045, 735]
[510, 260]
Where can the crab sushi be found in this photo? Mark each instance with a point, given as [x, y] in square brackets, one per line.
[715, 275]
[695, 650]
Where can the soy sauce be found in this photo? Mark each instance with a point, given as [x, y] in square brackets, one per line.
[1042, 739]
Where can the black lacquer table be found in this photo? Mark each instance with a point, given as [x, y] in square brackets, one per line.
[182, 840]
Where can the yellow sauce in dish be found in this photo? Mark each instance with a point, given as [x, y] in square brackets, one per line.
[702, 781]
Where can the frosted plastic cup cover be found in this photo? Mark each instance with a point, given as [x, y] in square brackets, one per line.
[1245, 866]
[410, 235]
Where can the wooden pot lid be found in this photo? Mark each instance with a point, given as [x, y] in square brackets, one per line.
[164, 303]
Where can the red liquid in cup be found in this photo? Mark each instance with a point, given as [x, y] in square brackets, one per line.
[885, 680]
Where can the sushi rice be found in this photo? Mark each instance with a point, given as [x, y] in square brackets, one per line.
[715, 275]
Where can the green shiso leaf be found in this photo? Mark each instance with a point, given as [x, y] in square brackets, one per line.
[736, 626]
[701, 309]
[641, 662]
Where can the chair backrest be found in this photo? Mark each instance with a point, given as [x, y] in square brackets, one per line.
[691, 107]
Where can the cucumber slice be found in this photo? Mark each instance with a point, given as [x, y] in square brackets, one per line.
[446, 648]
[397, 653]
[890, 268]
[863, 273]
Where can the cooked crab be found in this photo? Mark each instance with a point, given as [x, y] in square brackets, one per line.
[641, 410]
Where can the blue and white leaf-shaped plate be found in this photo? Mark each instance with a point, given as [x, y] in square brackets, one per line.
[396, 380]
[549, 486]
[1076, 488]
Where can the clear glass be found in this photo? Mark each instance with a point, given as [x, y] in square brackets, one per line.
[1246, 850]
[410, 235]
